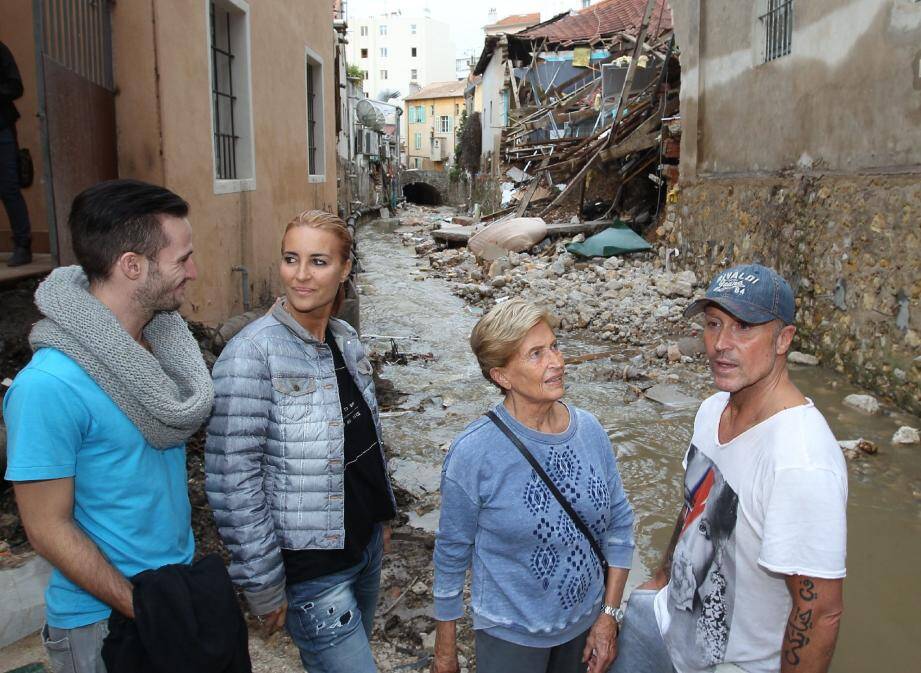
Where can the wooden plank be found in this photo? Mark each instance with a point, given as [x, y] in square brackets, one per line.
[522, 206]
[511, 76]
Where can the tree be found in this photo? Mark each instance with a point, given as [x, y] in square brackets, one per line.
[458, 135]
[354, 72]
[471, 144]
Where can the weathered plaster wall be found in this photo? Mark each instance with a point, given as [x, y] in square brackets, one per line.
[17, 33]
[847, 98]
[492, 114]
[164, 128]
[849, 245]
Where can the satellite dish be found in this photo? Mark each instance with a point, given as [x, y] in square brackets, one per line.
[369, 115]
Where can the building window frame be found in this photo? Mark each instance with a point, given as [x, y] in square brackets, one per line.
[383, 52]
[232, 136]
[413, 52]
[383, 74]
[412, 29]
[364, 53]
[417, 141]
[775, 26]
[411, 114]
[444, 124]
[363, 31]
[413, 74]
[314, 70]
[382, 30]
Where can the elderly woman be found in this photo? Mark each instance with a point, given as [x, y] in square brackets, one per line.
[294, 466]
[542, 601]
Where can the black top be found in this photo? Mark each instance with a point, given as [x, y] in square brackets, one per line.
[10, 87]
[367, 498]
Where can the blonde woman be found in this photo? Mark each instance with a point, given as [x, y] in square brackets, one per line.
[543, 600]
[295, 471]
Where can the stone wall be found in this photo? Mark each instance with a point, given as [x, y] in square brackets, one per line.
[851, 249]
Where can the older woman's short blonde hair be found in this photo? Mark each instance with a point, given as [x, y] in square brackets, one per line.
[499, 333]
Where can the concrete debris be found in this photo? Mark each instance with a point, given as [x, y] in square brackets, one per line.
[855, 449]
[22, 610]
[670, 396]
[415, 477]
[798, 358]
[427, 522]
[673, 353]
[906, 435]
[865, 403]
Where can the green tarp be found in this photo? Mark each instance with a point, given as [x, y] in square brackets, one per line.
[615, 240]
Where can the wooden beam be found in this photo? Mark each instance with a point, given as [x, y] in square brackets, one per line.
[511, 76]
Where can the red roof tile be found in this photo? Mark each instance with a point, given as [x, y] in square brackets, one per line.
[603, 19]
[515, 19]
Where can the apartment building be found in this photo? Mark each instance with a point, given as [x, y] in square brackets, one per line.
[400, 52]
[433, 115]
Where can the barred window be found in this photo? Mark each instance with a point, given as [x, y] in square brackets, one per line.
[231, 105]
[315, 125]
[777, 23]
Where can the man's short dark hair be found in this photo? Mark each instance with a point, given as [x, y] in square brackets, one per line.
[118, 216]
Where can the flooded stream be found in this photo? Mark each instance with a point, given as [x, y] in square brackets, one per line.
[881, 629]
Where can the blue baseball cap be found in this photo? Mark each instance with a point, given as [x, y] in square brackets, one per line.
[751, 293]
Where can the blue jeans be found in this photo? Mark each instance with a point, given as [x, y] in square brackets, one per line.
[330, 618]
[640, 648]
[10, 194]
[76, 650]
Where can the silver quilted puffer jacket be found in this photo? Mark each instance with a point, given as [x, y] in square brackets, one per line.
[274, 453]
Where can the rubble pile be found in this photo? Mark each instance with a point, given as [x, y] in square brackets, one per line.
[592, 91]
[632, 301]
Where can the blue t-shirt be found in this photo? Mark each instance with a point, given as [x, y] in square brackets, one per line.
[130, 498]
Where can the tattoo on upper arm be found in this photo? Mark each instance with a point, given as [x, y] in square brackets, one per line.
[800, 623]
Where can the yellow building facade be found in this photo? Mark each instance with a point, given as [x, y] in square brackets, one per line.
[433, 116]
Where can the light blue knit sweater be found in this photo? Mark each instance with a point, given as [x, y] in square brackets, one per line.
[536, 581]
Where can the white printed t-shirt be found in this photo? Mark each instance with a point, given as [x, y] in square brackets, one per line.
[768, 504]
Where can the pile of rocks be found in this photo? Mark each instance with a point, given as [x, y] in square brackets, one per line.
[627, 300]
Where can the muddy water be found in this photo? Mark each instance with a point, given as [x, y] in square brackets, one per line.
[881, 630]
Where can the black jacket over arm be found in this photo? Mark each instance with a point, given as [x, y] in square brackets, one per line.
[186, 620]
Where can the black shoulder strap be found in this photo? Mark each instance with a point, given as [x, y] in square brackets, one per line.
[564, 503]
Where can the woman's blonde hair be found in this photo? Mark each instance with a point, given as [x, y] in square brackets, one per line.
[499, 333]
[320, 219]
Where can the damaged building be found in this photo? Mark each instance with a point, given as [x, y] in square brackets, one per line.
[802, 149]
[572, 110]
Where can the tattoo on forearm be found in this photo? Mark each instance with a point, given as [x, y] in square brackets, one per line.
[807, 590]
[800, 623]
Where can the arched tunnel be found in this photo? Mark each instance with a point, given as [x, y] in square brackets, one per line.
[422, 193]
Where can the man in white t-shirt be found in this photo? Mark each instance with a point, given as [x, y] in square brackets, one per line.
[753, 576]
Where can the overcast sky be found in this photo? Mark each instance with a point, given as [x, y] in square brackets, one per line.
[465, 18]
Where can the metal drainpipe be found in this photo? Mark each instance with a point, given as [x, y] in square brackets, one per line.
[244, 284]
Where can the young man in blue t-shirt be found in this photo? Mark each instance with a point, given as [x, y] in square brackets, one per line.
[98, 419]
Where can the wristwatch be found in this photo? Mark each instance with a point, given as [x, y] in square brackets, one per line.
[617, 613]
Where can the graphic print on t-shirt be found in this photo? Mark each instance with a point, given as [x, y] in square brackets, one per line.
[701, 590]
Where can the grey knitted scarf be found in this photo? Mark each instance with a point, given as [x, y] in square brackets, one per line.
[167, 393]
